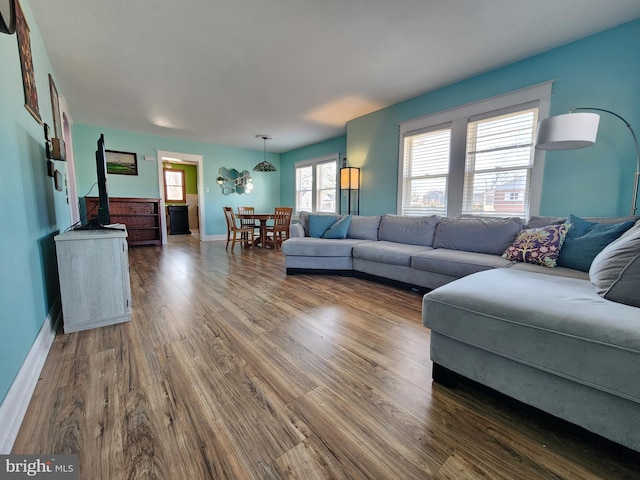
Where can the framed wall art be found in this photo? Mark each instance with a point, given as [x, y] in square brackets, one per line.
[55, 108]
[26, 62]
[122, 163]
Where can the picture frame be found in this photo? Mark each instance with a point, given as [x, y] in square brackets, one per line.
[122, 163]
[26, 63]
[55, 108]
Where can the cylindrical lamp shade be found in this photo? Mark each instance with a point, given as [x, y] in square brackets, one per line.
[569, 131]
[350, 178]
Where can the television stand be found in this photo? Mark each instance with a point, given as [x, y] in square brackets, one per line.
[93, 268]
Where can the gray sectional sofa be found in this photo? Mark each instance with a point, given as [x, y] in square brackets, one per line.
[425, 252]
[562, 340]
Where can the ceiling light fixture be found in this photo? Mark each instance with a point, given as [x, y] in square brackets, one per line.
[265, 166]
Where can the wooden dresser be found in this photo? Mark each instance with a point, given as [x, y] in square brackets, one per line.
[141, 216]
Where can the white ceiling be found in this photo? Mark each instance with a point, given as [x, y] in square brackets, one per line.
[223, 71]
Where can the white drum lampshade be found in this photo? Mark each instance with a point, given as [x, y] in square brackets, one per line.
[568, 131]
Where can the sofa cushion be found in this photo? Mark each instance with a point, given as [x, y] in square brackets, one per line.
[557, 271]
[482, 235]
[408, 230]
[586, 239]
[319, 247]
[615, 271]
[456, 263]
[536, 221]
[339, 229]
[318, 224]
[559, 325]
[538, 245]
[364, 227]
[388, 252]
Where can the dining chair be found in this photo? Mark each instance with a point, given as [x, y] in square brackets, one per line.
[248, 222]
[280, 229]
[246, 234]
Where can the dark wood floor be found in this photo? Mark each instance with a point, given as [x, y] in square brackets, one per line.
[230, 369]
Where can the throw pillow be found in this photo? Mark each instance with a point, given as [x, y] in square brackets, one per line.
[586, 239]
[615, 272]
[318, 224]
[538, 245]
[339, 229]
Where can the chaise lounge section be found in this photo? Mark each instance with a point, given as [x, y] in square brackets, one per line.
[563, 340]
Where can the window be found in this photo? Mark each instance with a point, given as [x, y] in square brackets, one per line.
[426, 167]
[477, 159]
[174, 187]
[498, 164]
[316, 184]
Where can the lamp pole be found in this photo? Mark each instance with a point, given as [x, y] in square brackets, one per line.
[634, 198]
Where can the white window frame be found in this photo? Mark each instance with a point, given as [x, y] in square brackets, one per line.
[314, 162]
[458, 119]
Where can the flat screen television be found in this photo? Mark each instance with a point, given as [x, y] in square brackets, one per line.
[103, 216]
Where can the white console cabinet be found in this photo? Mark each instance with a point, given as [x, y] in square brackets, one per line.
[93, 267]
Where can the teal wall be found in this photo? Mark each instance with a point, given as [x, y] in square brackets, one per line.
[288, 159]
[264, 197]
[32, 210]
[602, 70]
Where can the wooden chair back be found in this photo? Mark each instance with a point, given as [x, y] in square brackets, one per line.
[282, 219]
[280, 227]
[231, 219]
[247, 222]
[246, 234]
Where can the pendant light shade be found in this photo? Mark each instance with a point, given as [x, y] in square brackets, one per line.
[264, 166]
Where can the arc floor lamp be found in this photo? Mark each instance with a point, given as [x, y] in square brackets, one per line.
[579, 130]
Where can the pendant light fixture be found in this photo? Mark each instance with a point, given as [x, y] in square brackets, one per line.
[264, 166]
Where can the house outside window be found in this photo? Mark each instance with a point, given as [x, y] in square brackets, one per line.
[478, 159]
[317, 184]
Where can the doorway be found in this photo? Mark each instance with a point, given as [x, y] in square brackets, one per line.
[194, 200]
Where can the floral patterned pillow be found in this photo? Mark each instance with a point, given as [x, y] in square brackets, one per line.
[538, 245]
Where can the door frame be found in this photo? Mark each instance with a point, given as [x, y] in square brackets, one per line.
[72, 189]
[188, 158]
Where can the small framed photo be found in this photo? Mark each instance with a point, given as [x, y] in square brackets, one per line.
[122, 163]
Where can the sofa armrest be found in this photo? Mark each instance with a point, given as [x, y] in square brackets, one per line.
[296, 230]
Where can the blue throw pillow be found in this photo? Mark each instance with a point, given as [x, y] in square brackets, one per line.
[339, 229]
[587, 239]
[318, 224]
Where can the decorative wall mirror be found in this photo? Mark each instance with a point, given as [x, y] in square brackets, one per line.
[233, 181]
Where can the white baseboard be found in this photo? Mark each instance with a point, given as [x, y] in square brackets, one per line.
[15, 403]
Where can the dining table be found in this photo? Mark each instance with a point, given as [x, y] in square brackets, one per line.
[262, 219]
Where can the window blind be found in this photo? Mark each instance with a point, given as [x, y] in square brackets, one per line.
[498, 164]
[426, 171]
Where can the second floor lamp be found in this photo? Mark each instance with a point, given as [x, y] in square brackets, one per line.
[579, 130]
[350, 190]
